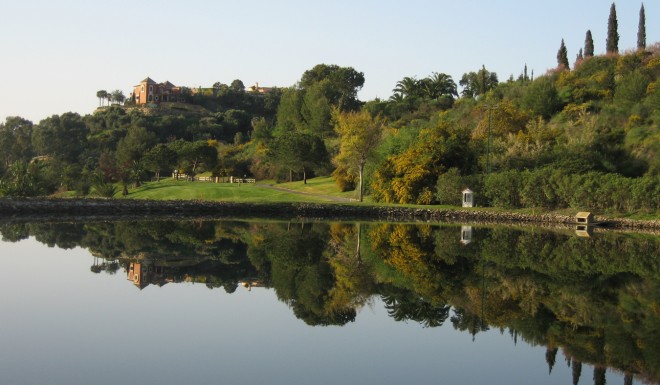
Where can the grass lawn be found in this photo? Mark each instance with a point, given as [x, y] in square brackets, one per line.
[316, 191]
[321, 185]
[171, 189]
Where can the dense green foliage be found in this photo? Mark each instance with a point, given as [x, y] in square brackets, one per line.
[593, 123]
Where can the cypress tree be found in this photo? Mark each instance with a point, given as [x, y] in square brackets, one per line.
[577, 371]
[562, 57]
[641, 30]
[588, 45]
[550, 358]
[612, 32]
[579, 57]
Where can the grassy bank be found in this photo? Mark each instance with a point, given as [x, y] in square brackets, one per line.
[317, 190]
[169, 189]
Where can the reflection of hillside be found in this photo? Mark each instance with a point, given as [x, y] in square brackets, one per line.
[595, 298]
[592, 299]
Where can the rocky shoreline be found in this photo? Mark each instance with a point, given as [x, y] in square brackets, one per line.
[117, 208]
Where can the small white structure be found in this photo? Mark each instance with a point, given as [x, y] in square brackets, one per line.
[466, 234]
[468, 198]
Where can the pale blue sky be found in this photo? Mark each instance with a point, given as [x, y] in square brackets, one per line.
[57, 53]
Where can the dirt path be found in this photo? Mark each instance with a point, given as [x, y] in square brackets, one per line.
[328, 197]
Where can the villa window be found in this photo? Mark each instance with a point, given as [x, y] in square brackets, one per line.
[151, 89]
[150, 97]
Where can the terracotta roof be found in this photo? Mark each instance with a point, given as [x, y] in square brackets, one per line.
[148, 80]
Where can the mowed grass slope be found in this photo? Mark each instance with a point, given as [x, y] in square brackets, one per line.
[169, 189]
[320, 186]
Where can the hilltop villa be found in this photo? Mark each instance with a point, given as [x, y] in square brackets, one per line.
[256, 89]
[148, 91]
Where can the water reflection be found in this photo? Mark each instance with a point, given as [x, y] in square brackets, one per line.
[594, 298]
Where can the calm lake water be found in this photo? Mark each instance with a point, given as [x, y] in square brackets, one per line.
[325, 303]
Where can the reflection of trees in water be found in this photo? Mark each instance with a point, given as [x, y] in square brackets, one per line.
[404, 305]
[576, 370]
[298, 262]
[595, 298]
[470, 322]
[108, 266]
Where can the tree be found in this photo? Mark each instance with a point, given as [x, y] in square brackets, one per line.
[237, 85]
[21, 180]
[316, 109]
[15, 140]
[359, 135]
[343, 84]
[134, 145]
[61, 136]
[433, 87]
[449, 186]
[542, 98]
[562, 57]
[641, 30]
[407, 87]
[299, 151]
[118, 96]
[194, 155]
[102, 95]
[478, 83]
[261, 130]
[289, 117]
[159, 158]
[612, 32]
[441, 84]
[579, 57]
[588, 45]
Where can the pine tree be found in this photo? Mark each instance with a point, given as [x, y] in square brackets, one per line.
[562, 57]
[588, 45]
[612, 32]
[641, 31]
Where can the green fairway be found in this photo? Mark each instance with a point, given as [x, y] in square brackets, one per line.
[229, 192]
[321, 185]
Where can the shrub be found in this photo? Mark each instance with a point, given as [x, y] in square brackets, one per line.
[449, 187]
[503, 189]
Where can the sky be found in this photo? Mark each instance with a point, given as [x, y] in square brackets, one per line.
[56, 54]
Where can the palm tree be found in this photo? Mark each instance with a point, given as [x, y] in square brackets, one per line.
[102, 95]
[443, 84]
[396, 98]
[407, 87]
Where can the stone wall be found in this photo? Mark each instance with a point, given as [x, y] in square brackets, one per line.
[36, 207]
